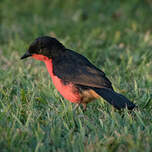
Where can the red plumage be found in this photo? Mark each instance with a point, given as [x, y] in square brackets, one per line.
[69, 91]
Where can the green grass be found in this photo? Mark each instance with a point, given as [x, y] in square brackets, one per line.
[116, 36]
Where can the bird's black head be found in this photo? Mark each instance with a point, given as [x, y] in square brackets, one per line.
[44, 47]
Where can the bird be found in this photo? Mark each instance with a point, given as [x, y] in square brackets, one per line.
[73, 75]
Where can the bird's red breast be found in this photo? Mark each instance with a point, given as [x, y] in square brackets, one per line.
[68, 91]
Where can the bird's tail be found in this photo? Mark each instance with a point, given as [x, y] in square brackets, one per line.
[117, 100]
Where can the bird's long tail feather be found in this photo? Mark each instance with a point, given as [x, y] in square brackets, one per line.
[117, 100]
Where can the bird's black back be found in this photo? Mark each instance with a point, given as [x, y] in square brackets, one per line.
[75, 68]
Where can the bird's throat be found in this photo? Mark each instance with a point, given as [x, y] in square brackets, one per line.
[49, 66]
[40, 57]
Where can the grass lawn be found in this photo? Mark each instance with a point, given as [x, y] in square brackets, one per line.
[114, 35]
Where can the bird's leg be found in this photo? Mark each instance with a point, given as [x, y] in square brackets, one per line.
[84, 106]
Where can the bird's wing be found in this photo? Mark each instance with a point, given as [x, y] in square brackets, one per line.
[75, 68]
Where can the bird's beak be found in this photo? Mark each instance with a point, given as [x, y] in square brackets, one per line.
[27, 54]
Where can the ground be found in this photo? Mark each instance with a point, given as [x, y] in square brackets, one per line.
[114, 35]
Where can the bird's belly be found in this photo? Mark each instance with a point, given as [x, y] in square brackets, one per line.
[68, 91]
